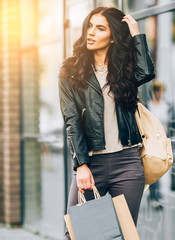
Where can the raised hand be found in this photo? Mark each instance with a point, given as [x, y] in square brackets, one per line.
[132, 24]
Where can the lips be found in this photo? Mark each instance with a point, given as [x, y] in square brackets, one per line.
[90, 41]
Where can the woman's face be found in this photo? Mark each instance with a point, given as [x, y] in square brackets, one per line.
[98, 33]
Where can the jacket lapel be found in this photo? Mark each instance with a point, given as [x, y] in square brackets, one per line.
[93, 82]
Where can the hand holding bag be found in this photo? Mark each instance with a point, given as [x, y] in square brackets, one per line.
[156, 152]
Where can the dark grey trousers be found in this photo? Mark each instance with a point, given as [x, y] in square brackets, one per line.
[117, 173]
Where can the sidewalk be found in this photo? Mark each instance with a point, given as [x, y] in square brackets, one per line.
[19, 234]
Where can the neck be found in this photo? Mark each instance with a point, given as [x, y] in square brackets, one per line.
[100, 57]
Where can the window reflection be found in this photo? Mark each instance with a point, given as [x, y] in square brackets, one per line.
[157, 205]
[75, 22]
[110, 3]
[136, 5]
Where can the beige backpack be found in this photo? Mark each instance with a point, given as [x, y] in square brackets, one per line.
[156, 151]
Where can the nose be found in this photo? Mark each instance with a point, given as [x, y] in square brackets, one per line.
[91, 31]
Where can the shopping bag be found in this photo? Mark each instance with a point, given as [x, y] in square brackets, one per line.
[95, 220]
[125, 219]
[127, 225]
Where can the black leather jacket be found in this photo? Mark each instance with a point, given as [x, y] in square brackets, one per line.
[83, 109]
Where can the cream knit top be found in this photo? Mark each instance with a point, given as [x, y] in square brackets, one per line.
[111, 131]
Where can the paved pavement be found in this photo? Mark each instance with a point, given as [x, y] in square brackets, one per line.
[18, 234]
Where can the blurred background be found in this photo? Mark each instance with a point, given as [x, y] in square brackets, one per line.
[35, 166]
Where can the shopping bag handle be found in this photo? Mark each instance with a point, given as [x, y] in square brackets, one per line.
[82, 198]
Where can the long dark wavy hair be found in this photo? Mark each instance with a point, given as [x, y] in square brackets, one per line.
[120, 56]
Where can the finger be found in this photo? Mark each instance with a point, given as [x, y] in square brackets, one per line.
[130, 18]
[126, 21]
[80, 184]
[129, 22]
[88, 185]
[80, 188]
[86, 182]
[92, 180]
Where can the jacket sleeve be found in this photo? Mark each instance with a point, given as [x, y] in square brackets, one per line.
[143, 64]
[72, 118]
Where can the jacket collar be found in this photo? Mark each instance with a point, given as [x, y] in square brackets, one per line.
[93, 82]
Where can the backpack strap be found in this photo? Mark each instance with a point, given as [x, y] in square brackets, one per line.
[139, 122]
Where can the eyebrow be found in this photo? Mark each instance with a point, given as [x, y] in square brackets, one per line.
[99, 25]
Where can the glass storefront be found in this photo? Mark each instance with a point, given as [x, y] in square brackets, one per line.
[42, 146]
[157, 223]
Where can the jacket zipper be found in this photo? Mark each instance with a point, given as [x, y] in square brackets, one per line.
[74, 154]
[129, 140]
[83, 111]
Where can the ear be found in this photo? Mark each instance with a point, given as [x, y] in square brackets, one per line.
[112, 41]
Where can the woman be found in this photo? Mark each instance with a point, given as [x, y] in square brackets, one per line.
[98, 97]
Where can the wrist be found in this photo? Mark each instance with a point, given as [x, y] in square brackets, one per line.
[136, 33]
[84, 165]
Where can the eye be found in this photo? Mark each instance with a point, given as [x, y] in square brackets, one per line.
[101, 29]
